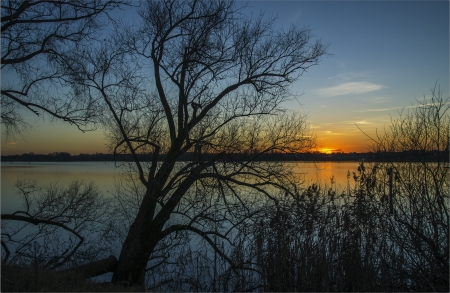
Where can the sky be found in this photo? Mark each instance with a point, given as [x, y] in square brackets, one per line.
[383, 57]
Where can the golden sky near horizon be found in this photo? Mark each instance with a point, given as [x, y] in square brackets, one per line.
[59, 137]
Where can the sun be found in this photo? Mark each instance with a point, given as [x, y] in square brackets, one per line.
[326, 150]
[329, 150]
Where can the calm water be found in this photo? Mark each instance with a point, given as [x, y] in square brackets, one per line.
[104, 175]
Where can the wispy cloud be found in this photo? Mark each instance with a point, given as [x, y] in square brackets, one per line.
[345, 123]
[349, 88]
[425, 104]
[396, 108]
[377, 100]
[379, 109]
[330, 132]
[363, 122]
[349, 76]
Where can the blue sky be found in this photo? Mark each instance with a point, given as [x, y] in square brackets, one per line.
[383, 56]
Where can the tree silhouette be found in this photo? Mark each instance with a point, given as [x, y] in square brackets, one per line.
[36, 35]
[215, 85]
[196, 77]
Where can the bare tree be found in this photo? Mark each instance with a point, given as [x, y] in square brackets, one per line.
[34, 36]
[214, 93]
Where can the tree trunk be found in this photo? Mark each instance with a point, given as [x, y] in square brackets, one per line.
[142, 238]
[93, 269]
[145, 232]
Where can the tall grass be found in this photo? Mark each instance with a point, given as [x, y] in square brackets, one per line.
[361, 239]
[321, 239]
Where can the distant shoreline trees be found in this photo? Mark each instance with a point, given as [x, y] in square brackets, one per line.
[404, 156]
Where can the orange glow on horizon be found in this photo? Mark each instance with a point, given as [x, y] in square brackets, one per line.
[346, 143]
[346, 149]
[326, 150]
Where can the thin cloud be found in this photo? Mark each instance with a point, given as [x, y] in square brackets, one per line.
[425, 104]
[398, 108]
[379, 110]
[346, 123]
[342, 129]
[377, 100]
[330, 132]
[349, 88]
[349, 76]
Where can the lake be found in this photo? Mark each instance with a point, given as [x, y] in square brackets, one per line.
[104, 175]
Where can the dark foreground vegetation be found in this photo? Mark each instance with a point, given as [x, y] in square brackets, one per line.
[34, 278]
[362, 239]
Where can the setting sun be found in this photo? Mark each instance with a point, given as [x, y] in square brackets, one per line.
[328, 150]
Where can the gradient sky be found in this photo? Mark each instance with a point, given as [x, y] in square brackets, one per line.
[383, 56]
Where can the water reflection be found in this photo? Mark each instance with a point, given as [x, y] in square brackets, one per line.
[104, 175]
[323, 172]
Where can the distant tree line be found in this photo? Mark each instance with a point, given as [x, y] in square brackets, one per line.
[404, 156]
